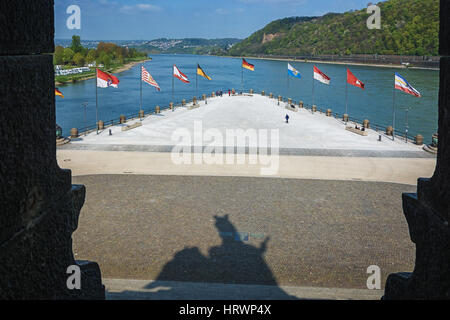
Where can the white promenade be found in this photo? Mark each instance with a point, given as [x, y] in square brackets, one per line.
[304, 131]
[312, 146]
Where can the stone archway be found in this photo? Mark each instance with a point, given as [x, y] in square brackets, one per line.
[39, 205]
[428, 211]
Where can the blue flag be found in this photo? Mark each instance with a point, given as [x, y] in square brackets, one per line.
[293, 72]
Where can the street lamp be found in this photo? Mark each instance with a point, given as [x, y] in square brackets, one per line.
[407, 123]
[85, 104]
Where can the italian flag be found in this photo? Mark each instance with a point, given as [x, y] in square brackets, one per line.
[106, 80]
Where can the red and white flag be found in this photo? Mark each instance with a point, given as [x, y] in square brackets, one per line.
[178, 74]
[320, 76]
[351, 79]
[105, 80]
[147, 78]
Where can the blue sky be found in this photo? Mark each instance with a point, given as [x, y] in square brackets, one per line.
[151, 19]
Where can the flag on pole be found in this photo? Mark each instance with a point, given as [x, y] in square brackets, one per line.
[58, 93]
[351, 79]
[403, 85]
[202, 73]
[293, 72]
[105, 80]
[320, 76]
[247, 65]
[147, 78]
[179, 75]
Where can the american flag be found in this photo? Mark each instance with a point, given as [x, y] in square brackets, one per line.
[147, 78]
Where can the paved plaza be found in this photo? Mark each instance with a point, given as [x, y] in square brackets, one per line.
[235, 230]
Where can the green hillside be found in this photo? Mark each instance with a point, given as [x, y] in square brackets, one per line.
[409, 27]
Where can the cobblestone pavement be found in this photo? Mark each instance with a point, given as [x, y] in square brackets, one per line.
[243, 230]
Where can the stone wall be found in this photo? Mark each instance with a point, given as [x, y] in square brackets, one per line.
[428, 211]
[39, 205]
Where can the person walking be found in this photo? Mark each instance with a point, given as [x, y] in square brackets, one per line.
[287, 118]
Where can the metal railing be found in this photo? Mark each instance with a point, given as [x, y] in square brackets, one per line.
[130, 117]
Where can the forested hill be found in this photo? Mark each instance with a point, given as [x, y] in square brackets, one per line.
[408, 27]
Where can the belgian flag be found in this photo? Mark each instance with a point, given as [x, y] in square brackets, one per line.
[247, 65]
[202, 73]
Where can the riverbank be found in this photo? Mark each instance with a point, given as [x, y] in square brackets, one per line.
[350, 63]
[91, 74]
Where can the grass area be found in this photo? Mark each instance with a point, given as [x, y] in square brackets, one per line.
[75, 77]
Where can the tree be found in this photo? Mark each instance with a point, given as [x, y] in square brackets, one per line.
[91, 56]
[68, 55]
[76, 44]
[79, 59]
[104, 59]
[58, 57]
[107, 60]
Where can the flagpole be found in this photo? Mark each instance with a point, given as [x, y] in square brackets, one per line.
[393, 116]
[288, 80]
[312, 93]
[346, 95]
[196, 82]
[96, 99]
[173, 85]
[242, 82]
[140, 81]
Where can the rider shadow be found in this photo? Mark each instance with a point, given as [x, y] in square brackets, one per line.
[233, 262]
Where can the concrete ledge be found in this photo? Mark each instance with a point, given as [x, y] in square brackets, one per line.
[282, 151]
[430, 149]
[195, 106]
[357, 131]
[171, 290]
[291, 109]
[132, 126]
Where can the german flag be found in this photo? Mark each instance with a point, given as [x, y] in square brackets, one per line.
[58, 93]
[247, 65]
[202, 73]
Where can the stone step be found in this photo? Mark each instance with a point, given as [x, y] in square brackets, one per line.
[123, 289]
[62, 141]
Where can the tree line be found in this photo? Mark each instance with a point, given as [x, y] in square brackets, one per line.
[106, 54]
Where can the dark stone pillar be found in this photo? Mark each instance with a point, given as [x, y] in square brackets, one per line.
[428, 211]
[39, 205]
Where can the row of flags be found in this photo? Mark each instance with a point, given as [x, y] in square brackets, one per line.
[105, 80]
[400, 82]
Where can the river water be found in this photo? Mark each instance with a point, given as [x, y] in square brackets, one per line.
[374, 103]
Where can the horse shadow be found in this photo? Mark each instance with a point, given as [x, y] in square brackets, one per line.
[233, 262]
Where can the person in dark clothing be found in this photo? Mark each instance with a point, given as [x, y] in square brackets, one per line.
[287, 118]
